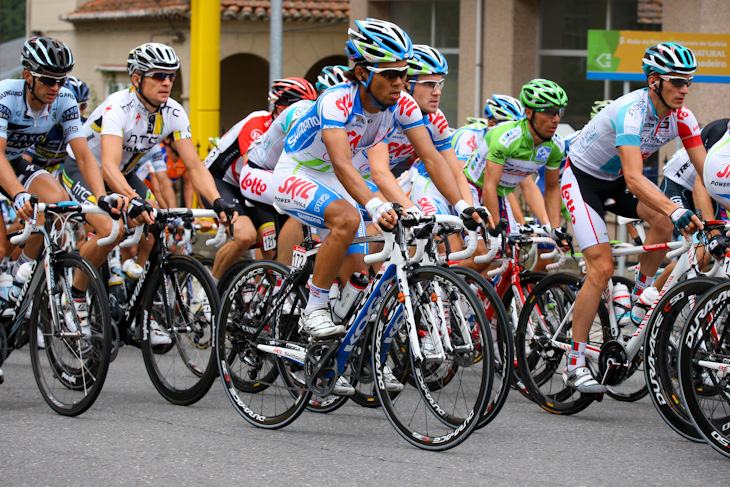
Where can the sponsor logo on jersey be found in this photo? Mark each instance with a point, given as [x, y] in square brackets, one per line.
[253, 185]
[725, 172]
[70, 114]
[438, 121]
[406, 105]
[542, 153]
[299, 190]
[5, 112]
[426, 206]
[344, 104]
[569, 204]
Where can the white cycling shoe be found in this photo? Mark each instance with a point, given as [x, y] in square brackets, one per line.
[319, 324]
[582, 380]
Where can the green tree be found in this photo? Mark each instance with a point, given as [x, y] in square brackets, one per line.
[12, 19]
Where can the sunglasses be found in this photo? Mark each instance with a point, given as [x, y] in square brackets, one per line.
[49, 81]
[389, 73]
[677, 81]
[160, 76]
[551, 112]
[434, 85]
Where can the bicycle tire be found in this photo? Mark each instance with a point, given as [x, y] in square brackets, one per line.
[540, 362]
[706, 336]
[501, 334]
[436, 414]
[262, 387]
[186, 370]
[528, 280]
[70, 371]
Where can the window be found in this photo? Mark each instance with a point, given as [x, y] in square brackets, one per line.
[419, 20]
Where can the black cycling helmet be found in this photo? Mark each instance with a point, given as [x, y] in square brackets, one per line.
[46, 55]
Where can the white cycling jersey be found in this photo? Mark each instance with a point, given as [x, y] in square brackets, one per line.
[151, 163]
[123, 114]
[716, 172]
[21, 127]
[341, 107]
[264, 152]
[631, 120]
[681, 170]
[467, 140]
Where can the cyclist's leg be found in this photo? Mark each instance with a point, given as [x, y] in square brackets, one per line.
[39, 182]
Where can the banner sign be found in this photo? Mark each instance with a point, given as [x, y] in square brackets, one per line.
[617, 54]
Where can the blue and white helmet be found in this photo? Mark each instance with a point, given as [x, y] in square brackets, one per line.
[378, 41]
[331, 76]
[427, 60]
[504, 108]
[78, 88]
[668, 57]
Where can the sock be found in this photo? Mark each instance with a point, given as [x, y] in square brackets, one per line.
[22, 259]
[642, 282]
[577, 355]
[77, 294]
[318, 298]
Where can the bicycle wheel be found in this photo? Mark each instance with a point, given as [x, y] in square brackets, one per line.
[501, 334]
[448, 399]
[633, 387]
[183, 301]
[69, 366]
[540, 360]
[513, 306]
[704, 352]
[266, 389]
[661, 348]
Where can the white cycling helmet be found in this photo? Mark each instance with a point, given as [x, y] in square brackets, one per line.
[378, 41]
[504, 108]
[427, 60]
[151, 56]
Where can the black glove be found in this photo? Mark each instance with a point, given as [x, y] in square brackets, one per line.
[469, 222]
[137, 206]
[559, 234]
[717, 246]
[221, 205]
[110, 201]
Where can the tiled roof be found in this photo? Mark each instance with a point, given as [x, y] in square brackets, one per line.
[303, 11]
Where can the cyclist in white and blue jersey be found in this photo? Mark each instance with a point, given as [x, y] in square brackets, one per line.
[29, 109]
[606, 161]
[315, 180]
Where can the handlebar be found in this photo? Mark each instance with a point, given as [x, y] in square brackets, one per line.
[686, 244]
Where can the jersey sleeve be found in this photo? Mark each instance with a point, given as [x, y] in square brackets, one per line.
[111, 121]
[70, 117]
[628, 123]
[5, 111]
[439, 129]
[407, 113]
[179, 123]
[556, 153]
[688, 128]
[334, 108]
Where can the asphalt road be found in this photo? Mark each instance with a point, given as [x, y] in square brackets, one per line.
[131, 436]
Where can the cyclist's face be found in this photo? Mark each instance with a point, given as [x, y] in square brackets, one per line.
[673, 96]
[545, 124]
[427, 92]
[385, 90]
[46, 94]
[158, 92]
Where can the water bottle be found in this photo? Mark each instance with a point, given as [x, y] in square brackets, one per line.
[639, 310]
[349, 294]
[133, 273]
[20, 277]
[334, 294]
[117, 293]
[622, 303]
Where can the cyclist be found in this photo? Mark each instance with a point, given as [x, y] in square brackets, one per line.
[606, 161]
[123, 128]
[716, 174]
[315, 180]
[50, 152]
[229, 165]
[29, 109]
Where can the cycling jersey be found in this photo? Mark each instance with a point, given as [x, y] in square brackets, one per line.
[123, 114]
[173, 164]
[511, 145]
[341, 107]
[631, 120]
[151, 163]
[225, 160]
[22, 128]
[716, 174]
[50, 152]
[264, 152]
[466, 140]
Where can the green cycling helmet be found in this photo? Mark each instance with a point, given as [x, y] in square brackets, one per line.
[543, 93]
[599, 105]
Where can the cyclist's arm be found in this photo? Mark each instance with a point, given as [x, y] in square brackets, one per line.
[111, 157]
[88, 167]
[514, 204]
[534, 199]
[204, 182]
[378, 157]
[457, 169]
[188, 190]
[553, 201]
[8, 179]
[434, 163]
[165, 188]
[338, 148]
[492, 176]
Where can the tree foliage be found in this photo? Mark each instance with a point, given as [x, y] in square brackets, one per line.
[12, 19]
